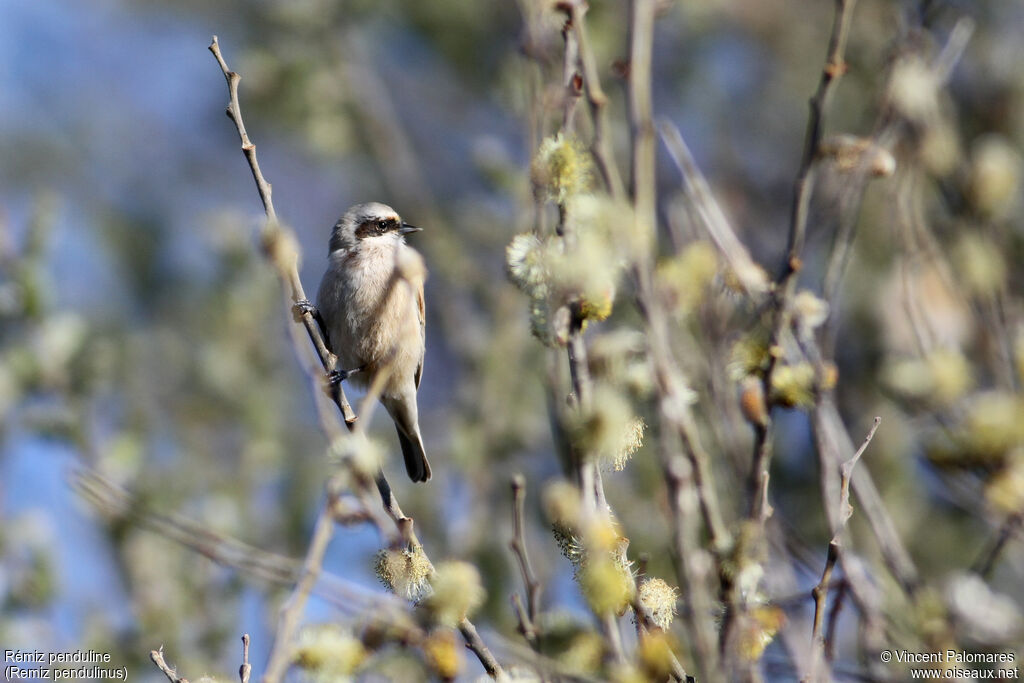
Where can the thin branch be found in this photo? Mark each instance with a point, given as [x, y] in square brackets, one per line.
[477, 646]
[291, 611]
[749, 274]
[826, 419]
[820, 592]
[612, 635]
[601, 146]
[833, 620]
[278, 240]
[820, 595]
[117, 504]
[642, 179]
[571, 77]
[835, 66]
[846, 474]
[365, 607]
[518, 545]
[158, 658]
[986, 561]
[245, 670]
[586, 470]
[691, 563]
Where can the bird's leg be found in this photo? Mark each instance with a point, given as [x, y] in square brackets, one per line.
[303, 306]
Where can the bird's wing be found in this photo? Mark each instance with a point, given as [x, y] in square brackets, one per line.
[421, 309]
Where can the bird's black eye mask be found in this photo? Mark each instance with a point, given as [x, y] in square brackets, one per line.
[374, 227]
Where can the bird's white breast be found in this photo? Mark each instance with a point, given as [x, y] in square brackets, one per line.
[372, 314]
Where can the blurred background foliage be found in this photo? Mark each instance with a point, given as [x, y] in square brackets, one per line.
[143, 337]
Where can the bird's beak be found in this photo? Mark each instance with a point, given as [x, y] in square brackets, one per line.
[406, 228]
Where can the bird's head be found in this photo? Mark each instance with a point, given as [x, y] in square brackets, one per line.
[370, 221]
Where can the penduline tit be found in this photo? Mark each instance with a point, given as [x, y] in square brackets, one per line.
[370, 307]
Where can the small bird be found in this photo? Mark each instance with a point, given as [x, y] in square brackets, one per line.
[370, 306]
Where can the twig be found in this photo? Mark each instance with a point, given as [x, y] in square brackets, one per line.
[291, 611]
[645, 624]
[518, 546]
[158, 658]
[820, 592]
[116, 503]
[642, 178]
[987, 559]
[825, 417]
[820, 595]
[476, 644]
[835, 66]
[785, 289]
[749, 274]
[887, 136]
[586, 470]
[691, 568]
[245, 670]
[601, 147]
[846, 474]
[364, 607]
[276, 236]
[571, 77]
[833, 620]
[610, 627]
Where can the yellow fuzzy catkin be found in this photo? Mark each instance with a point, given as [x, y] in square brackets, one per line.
[443, 653]
[562, 168]
[328, 652]
[455, 592]
[659, 600]
[405, 572]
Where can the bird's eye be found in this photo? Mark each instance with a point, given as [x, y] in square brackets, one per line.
[382, 225]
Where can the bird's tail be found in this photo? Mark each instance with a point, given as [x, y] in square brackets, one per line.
[415, 458]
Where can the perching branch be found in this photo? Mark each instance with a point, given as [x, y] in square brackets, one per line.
[279, 241]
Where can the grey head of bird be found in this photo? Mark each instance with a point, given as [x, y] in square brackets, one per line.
[369, 221]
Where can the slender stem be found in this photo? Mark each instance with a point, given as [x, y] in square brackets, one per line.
[987, 559]
[750, 275]
[518, 546]
[833, 620]
[476, 644]
[291, 611]
[835, 66]
[837, 522]
[691, 565]
[158, 658]
[820, 594]
[601, 147]
[279, 241]
[571, 77]
[245, 670]
[642, 180]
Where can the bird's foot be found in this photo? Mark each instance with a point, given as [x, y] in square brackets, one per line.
[302, 307]
[336, 377]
